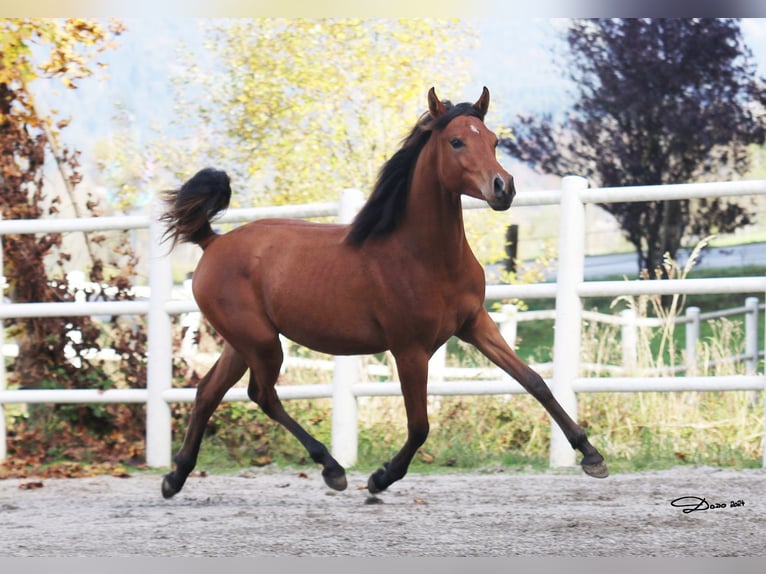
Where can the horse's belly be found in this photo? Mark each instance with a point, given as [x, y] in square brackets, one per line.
[329, 320]
[334, 335]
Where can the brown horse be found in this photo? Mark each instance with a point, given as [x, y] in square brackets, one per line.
[401, 277]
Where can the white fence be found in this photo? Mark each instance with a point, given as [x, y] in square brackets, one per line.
[628, 322]
[348, 383]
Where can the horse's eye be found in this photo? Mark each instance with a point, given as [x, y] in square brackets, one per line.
[456, 143]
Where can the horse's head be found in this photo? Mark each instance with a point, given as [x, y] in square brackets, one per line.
[466, 150]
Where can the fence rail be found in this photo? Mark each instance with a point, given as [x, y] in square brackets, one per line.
[508, 320]
[348, 382]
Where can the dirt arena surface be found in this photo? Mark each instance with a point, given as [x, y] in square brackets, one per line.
[287, 513]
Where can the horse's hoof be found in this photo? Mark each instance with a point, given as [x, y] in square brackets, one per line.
[597, 470]
[372, 485]
[168, 490]
[335, 478]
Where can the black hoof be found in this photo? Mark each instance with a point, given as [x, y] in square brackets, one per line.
[168, 488]
[374, 483]
[335, 478]
[596, 470]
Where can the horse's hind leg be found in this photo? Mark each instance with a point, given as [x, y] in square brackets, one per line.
[264, 364]
[227, 370]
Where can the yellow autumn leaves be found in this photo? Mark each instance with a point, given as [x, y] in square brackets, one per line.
[310, 107]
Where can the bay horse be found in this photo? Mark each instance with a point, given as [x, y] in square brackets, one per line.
[401, 277]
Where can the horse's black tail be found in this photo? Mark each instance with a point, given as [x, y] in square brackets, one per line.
[190, 209]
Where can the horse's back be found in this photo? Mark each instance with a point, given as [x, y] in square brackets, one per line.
[300, 277]
[270, 254]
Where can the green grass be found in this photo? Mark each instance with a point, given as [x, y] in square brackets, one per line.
[535, 338]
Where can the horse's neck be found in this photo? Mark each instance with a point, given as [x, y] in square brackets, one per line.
[433, 226]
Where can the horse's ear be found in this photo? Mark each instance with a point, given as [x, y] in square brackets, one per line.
[435, 106]
[482, 104]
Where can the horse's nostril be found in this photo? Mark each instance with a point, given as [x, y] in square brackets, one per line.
[499, 186]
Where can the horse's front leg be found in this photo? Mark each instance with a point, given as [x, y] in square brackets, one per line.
[485, 336]
[413, 376]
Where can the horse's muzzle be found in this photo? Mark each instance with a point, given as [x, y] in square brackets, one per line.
[503, 192]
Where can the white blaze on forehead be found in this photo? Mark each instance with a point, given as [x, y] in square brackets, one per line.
[474, 129]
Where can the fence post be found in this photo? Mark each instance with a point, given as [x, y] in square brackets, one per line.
[509, 326]
[751, 335]
[159, 368]
[692, 336]
[568, 327]
[347, 370]
[629, 332]
[345, 429]
[437, 363]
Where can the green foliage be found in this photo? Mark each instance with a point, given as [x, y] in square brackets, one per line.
[239, 434]
[338, 97]
[125, 165]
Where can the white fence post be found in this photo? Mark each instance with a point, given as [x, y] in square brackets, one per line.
[159, 368]
[567, 333]
[751, 335]
[347, 370]
[437, 363]
[629, 332]
[692, 336]
[509, 326]
[345, 421]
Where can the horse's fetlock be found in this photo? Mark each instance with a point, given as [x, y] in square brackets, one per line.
[319, 454]
[184, 465]
[579, 439]
[418, 435]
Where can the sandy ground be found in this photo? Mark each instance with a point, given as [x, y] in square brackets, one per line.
[278, 513]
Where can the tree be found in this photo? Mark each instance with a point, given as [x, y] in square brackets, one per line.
[124, 167]
[47, 49]
[301, 109]
[32, 50]
[660, 102]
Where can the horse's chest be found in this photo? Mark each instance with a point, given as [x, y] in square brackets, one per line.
[425, 303]
[440, 312]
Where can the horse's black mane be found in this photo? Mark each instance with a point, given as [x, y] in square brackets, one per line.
[385, 208]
